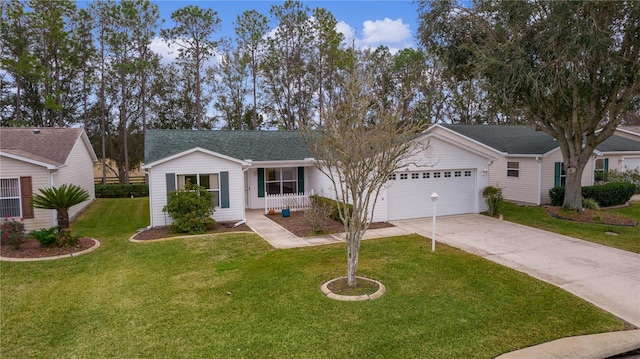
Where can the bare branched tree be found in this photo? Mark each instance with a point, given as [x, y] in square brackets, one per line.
[361, 142]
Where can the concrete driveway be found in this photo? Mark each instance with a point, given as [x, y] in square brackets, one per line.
[604, 276]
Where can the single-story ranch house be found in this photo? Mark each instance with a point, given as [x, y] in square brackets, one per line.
[242, 168]
[34, 158]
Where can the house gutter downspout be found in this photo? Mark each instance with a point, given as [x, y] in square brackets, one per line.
[539, 179]
[244, 200]
[148, 175]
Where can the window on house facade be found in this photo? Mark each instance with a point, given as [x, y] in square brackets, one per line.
[209, 181]
[560, 176]
[281, 180]
[513, 169]
[10, 197]
[601, 169]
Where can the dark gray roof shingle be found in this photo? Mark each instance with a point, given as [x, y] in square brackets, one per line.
[242, 145]
[524, 140]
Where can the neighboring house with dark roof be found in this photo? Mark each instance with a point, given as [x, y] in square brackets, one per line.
[529, 163]
[242, 167]
[31, 159]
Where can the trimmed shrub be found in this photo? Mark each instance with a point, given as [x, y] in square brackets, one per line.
[122, 190]
[493, 196]
[589, 203]
[606, 195]
[333, 205]
[191, 208]
[46, 237]
[12, 232]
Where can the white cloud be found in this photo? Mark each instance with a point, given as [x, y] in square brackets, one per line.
[347, 31]
[391, 33]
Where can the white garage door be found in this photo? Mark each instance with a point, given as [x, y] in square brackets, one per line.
[409, 193]
[632, 163]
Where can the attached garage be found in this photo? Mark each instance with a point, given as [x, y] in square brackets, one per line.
[457, 173]
[409, 193]
[631, 163]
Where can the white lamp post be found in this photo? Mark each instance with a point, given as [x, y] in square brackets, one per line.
[434, 198]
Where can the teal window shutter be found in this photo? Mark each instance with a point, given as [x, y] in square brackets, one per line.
[224, 189]
[300, 179]
[260, 182]
[558, 171]
[606, 166]
[171, 183]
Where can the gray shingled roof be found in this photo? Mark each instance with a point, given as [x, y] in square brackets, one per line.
[51, 146]
[524, 140]
[242, 145]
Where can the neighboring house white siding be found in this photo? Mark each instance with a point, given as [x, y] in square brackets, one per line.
[78, 170]
[520, 181]
[196, 163]
[40, 178]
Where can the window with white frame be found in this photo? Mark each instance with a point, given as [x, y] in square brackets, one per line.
[436, 174]
[210, 181]
[601, 169]
[426, 175]
[281, 180]
[10, 197]
[404, 176]
[415, 175]
[513, 169]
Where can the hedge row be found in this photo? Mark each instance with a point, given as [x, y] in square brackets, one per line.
[609, 194]
[122, 190]
[333, 204]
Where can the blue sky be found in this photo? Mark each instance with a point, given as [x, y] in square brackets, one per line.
[392, 23]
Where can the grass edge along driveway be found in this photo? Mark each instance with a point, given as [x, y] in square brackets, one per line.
[622, 237]
[233, 296]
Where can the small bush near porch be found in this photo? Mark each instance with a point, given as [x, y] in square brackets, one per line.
[233, 296]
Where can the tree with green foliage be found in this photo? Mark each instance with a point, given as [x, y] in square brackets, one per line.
[192, 34]
[191, 208]
[251, 26]
[569, 68]
[60, 199]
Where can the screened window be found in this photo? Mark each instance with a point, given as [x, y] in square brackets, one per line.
[513, 169]
[602, 167]
[209, 181]
[281, 180]
[10, 197]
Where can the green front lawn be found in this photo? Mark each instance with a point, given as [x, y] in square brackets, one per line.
[626, 238]
[232, 296]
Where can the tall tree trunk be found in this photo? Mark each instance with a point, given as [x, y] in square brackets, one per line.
[123, 123]
[102, 114]
[198, 93]
[353, 246]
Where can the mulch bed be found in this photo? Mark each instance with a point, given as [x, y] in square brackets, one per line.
[31, 248]
[164, 232]
[591, 216]
[297, 225]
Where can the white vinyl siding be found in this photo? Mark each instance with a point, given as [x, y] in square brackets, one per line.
[192, 163]
[78, 170]
[40, 178]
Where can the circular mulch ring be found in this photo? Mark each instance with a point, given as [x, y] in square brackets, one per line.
[353, 298]
[32, 250]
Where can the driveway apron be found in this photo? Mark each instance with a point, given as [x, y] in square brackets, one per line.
[604, 276]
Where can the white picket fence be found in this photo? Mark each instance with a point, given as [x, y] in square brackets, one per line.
[295, 202]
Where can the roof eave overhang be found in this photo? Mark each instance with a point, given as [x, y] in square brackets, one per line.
[459, 145]
[193, 150]
[466, 138]
[49, 166]
[283, 163]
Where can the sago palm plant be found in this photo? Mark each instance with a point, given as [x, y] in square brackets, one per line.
[60, 199]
